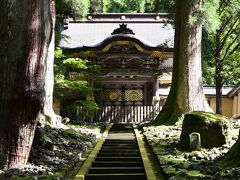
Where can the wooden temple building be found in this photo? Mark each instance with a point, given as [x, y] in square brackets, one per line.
[135, 53]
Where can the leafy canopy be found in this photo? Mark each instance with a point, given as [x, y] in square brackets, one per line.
[223, 44]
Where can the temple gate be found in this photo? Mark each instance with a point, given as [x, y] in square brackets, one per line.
[130, 66]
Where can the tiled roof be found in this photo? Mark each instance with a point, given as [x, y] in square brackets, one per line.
[90, 33]
[207, 90]
[211, 90]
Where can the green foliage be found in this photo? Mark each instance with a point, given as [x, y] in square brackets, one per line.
[120, 6]
[193, 20]
[150, 5]
[164, 6]
[87, 107]
[131, 6]
[76, 63]
[75, 8]
[207, 15]
[79, 85]
[79, 8]
[96, 6]
[227, 36]
[208, 63]
[210, 17]
[84, 71]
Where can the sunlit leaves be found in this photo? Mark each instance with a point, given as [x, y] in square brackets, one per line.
[192, 20]
[76, 8]
[80, 85]
[207, 16]
[58, 53]
[120, 6]
[210, 16]
[76, 64]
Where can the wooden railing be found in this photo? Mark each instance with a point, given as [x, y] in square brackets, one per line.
[121, 114]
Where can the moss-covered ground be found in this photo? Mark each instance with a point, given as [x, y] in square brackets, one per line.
[58, 153]
[202, 164]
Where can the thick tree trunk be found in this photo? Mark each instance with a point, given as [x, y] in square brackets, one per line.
[186, 92]
[232, 157]
[26, 27]
[49, 77]
[218, 75]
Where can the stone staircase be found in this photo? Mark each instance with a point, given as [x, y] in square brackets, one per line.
[119, 157]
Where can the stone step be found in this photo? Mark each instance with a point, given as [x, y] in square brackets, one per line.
[120, 142]
[115, 170]
[120, 145]
[121, 159]
[120, 176]
[115, 148]
[119, 151]
[121, 128]
[117, 154]
[117, 164]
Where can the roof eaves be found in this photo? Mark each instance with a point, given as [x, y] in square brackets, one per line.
[118, 37]
[233, 91]
[124, 18]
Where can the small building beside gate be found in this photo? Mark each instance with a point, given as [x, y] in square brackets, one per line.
[230, 99]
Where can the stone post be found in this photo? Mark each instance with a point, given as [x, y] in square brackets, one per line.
[195, 141]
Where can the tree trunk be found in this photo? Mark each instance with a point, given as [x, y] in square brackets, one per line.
[218, 75]
[186, 92]
[232, 157]
[26, 28]
[49, 77]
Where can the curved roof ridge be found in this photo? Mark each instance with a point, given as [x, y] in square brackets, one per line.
[117, 37]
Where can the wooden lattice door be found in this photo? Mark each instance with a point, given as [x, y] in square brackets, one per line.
[123, 96]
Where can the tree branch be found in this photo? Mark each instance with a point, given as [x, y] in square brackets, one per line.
[222, 6]
[206, 33]
[222, 27]
[235, 49]
[228, 33]
[228, 48]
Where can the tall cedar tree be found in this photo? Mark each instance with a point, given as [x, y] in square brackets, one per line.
[186, 92]
[49, 75]
[26, 28]
[227, 44]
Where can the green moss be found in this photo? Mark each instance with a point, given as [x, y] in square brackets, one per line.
[71, 133]
[48, 119]
[96, 126]
[232, 158]
[22, 178]
[177, 168]
[169, 115]
[175, 161]
[187, 174]
[169, 169]
[46, 177]
[194, 173]
[210, 117]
